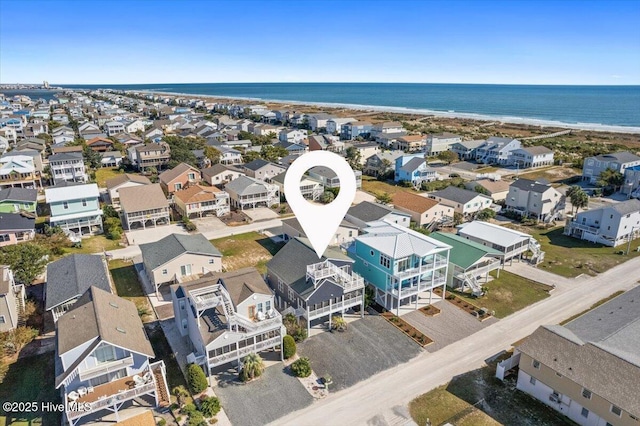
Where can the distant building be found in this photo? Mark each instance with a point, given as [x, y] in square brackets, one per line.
[533, 156]
[609, 225]
[618, 161]
[497, 150]
[354, 129]
[437, 143]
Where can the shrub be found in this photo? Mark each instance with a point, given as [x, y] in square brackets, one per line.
[196, 378]
[197, 419]
[252, 367]
[288, 346]
[162, 422]
[181, 394]
[209, 406]
[338, 323]
[188, 409]
[301, 367]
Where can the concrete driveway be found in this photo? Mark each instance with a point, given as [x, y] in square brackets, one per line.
[150, 235]
[209, 224]
[363, 196]
[261, 213]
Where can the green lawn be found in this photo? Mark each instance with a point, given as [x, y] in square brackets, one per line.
[105, 173]
[570, 257]
[94, 244]
[374, 186]
[127, 285]
[244, 250]
[163, 352]
[439, 405]
[509, 293]
[30, 379]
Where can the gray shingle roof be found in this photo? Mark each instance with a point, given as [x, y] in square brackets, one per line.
[162, 251]
[367, 211]
[626, 207]
[530, 185]
[214, 170]
[256, 164]
[19, 194]
[63, 156]
[16, 222]
[621, 157]
[412, 164]
[71, 276]
[459, 195]
[245, 185]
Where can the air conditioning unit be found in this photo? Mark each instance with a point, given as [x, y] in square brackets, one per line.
[554, 398]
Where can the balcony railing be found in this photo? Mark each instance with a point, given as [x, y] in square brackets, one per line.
[105, 368]
[334, 307]
[326, 269]
[236, 354]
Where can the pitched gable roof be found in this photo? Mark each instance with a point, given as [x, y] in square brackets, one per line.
[197, 193]
[145, 197]
[71, 276]
[162, 251]
[169, 175]
[464, 253]
[459, 195]
[243, 283]
[126, 177]
[413, 202]
[19, 194]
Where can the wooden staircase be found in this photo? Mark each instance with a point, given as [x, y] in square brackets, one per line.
[161, 388]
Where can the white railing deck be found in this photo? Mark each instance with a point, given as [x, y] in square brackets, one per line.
[326, 269]
[235, 354]
[335, 307]
[105, 368]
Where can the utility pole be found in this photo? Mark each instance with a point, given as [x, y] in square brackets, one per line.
[630, 238]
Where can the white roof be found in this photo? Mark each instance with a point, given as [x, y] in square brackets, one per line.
[397, 241]
[494, 234]
[73, 192]
[18, 163]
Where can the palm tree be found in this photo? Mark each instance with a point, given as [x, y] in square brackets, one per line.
[252, 367]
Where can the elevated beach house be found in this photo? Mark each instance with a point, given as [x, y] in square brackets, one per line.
[198, 201]
[75, 208]
[399, 263]
[610, 225]
[15, 200]
[68, 166]
[123, 181]
[144, 206]
[247, 192]
[226, 316]
[103, 361]
[12, 298]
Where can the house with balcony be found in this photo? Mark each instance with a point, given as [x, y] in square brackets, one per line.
[497, 189]
[325, 143]
[309, 188]
[425, 212]
[618, 161]
[180, 177]
[12, 299]
[144, 206]
[414, 169]
[510, 243]
[411, 143]
[111, 159]
[334, 125]
[70, 277]
[329, 178]
[469, 263]
[248, 193]
[587, 369]
[530, 198]
[113, 127]
[199, 201]
[497, 150]
[177, 258]
[352, 130]
[344, 235]
[15, 200]
[16, 228]
[437, 143]
[610, 225]
[219, 174]
[463, 201]
[400, 264]
[226, 316]
[75, 208]
[150, 155]
[366, 212]
[100, 144]
[68, 167]
[103, 361]
[381, 163]
[18, 171]
[318, 121]
[293, 136]
[262, 169]
[124, 180]
[533, 156]
[311, 288]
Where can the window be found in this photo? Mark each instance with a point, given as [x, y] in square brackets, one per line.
[291, 295]
[65, 205]
[532, 380]
[372, 253]
[84, 203]
[192, 176]
[212, 261]
[536, 364]
[586, 393]
[385, 261]
[260, 307]
[616, 410]
[2, 319]
[178, 186]
[267, 305]
[4, 237]
[185, 270]
[164, 272]
[280, 285]
[585, 412]
[105, 354]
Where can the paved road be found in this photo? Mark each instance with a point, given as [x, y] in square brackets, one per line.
[133, 250]
[379, 399]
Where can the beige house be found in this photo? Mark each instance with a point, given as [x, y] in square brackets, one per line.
[531, 198]
[180, 177]
[12, 297]
[219, 174]
[123, 181]
[588, 369]
[177, 258]
[198, 201]
[345, 233]
[424, 211]
[144, 206]
[496, 189]
[411, 143]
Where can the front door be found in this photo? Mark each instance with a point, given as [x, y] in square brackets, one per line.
[185, 270]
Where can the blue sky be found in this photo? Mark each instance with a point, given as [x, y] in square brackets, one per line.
[156, 41]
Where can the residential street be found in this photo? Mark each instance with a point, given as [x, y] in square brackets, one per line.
[381, 399]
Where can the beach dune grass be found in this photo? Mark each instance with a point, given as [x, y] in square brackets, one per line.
[245, 250]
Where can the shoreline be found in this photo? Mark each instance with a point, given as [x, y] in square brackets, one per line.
[533, 122]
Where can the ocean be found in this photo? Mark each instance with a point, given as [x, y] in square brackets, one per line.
[582, 106]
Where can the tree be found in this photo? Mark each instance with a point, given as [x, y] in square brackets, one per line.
[249, 156]
[338, 323]
[209, 406]
[369, 296]
[301, 367]
[458, 218]
[384, 198]
[481, 190]
[15, 340]
[386, 165]
[610, 178]
[91, 157]
[327, 197]
[273, 153]
[113, 228]
[485, 215]
[196, 378]
[288, 347]
[448, 157]
[181, 394]
[353, 157]
[252, 367]
[26, 260]
[579, 199]
[212, 154]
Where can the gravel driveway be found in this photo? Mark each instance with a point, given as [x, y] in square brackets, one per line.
[272, 396]
[369, 346]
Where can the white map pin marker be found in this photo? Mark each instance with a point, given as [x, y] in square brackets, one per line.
[320, 222]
